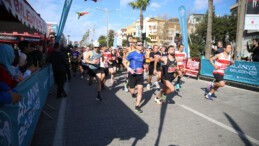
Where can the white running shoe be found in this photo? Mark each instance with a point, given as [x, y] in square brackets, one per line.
[158, 100]
[148, 86]
[82, 77]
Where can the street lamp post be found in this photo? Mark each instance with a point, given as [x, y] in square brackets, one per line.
[107, 12]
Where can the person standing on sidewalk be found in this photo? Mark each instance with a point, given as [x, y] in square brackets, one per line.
[222, 62]
[136, 59]
[93, 58]
[58, 61]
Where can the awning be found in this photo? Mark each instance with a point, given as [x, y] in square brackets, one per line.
[21, 10]
[15, 38]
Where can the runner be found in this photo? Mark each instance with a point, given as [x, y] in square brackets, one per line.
[221, 63]
[74, 60]
[120, 65]
[169, 70]
[113, 64]
[136, 59]
[104, 64]
[181, 58]
[125, 54]
[93, 59]
[147, 61]
[81, 57]
[84, 64]
[154, 55]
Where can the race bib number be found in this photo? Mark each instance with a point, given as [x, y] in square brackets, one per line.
[223, 66]
[74, 57]
[157, 56]
[97, 61]
[113, 58]
[171, 69]
[180, 60]
[139, 70]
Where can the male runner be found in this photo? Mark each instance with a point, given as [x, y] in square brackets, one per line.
[93, 59]
[74, 60]
[125, 54]
[147, 61]
[135, 69]
[181, 58]
[104, 64]
[154, 55]
[221, 63]
[84, 64]
[113, 64]
[169, 70]
[81, 57]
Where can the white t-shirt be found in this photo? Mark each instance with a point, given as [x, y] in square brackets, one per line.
[23, 59]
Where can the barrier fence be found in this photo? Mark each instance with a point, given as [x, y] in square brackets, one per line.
[17, 122]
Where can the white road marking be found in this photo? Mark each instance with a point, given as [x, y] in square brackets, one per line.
[58, 139]
[221, 125]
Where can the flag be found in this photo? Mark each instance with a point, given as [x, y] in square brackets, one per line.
[183, 25]
[82, 14]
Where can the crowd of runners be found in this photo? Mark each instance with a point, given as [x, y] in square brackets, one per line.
[166, 63]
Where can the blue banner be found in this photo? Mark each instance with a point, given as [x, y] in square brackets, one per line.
[115, 42]
[17, 122]
[63, 18]
[241, 71]
[183, 25]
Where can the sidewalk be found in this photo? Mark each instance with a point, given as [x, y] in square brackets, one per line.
[186, 119]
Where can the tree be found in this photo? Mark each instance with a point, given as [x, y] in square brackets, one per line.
[142, 6]
[85, 36]
[111, 38]
[209, 30]
[148, 40]
[124, 42]
[102, 40]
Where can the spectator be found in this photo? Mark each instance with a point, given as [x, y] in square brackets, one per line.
[255, 50]
[67, 52]
[6, 70]
[8, 95]
[58, 61]
[219, 49]
[37, 56]
[16, 55]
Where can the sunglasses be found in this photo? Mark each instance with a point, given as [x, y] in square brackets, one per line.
[134, 42]
[139, 45]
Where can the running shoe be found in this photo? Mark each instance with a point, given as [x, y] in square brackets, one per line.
[157, 85]
[148, 86]
[177, 86]
[163, 98]
[137, 109]
[125, 88]
[208, 97]
[158, 100]
[98, 98]
[133, 95]
[210, 86]
[82, 77]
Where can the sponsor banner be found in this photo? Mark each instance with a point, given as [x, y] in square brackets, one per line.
[192, 67]
[18, 38]
[17, 122]
[25, 14]
[252, 15]
[52, 28]
[241, 71]
[183, 25]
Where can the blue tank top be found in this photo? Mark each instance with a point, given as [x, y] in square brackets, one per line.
[96, 57]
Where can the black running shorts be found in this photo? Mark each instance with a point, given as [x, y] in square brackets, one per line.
[93, 72]
[218, 77]
[135, 80]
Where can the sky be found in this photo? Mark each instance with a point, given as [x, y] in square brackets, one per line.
[50, 11]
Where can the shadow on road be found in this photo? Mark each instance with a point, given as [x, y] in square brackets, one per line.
[91, 123]
[238, 130]
[206, 91]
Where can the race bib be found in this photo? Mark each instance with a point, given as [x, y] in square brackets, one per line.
[97, 61]
[223, 66]
[139, 70]
[106, 59]
[180, 60]
[113, 58]
[171, 69]
[74, 57]
[157, 56]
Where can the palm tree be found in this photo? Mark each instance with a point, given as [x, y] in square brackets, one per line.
[142, 6]
[209, 30]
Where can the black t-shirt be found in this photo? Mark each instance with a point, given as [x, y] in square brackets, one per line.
[219, 50]
[154, 55]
